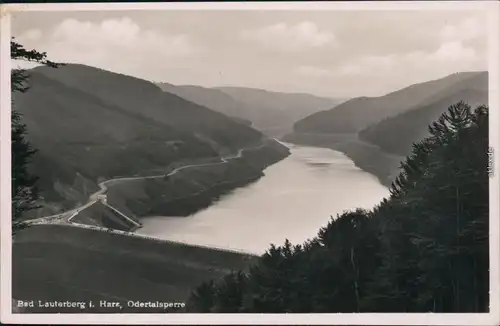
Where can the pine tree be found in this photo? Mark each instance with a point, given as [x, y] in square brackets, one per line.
[203, 298]
[24, 191]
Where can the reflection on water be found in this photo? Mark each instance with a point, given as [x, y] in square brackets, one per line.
[293, 200]
[320, 164]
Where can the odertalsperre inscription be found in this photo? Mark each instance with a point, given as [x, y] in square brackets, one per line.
[100, 305]
[156, 304]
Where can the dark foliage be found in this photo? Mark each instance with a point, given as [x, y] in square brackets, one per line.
[424, 249]
[411, 126]
[24, 190]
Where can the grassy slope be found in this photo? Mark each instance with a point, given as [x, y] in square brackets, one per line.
[80, 264]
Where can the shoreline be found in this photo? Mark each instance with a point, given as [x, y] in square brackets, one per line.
[367, 157]
[195, 189]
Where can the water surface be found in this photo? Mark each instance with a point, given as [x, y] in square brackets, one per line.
[296, 197]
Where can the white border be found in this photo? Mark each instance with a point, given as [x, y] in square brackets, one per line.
[494, 143]
[492, 318]
[304, 5]
[5, 166]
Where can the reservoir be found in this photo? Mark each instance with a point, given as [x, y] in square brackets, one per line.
[296, 197]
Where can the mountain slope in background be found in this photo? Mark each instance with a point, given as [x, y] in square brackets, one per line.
[377, 133]
[359, 113]
[270, 112]
[274, 112]
[89, 124]
[411, 126]
[211, 98]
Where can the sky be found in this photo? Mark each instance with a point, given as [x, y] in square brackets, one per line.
[327, 53]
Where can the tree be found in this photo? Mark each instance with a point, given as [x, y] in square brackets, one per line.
[24, 191]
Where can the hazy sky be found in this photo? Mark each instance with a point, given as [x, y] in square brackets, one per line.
[330, 53]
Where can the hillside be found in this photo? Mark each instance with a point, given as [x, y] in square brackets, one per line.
[211, 98]
[192, 189]
[275, 112]
[411, 126]
[83, 265]
[424, 249]
[270, 112]
[89, 124]
[374, 135]
[358, 113]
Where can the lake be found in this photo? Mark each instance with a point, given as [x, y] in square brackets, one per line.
[295, 198]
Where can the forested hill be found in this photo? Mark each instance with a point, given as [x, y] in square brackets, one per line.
[424, 249]
[377, 133]
[358, 113]
[274, 113]
[214, 99]
[411, 126]
[90, 124]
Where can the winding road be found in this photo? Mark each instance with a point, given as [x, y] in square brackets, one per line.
[65, 217]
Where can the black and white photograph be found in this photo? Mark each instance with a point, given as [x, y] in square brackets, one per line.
[232, 162]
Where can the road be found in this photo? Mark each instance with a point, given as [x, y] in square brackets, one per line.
[65, 217]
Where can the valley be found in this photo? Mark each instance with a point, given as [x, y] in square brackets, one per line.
[273, 113]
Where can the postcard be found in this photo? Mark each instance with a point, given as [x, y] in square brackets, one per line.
[250, 163]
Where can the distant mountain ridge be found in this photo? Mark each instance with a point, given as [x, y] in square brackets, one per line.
[378, 132]
[270, 112]
[358, 113]
[211, 98]
[286, 108]
[412, 125]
